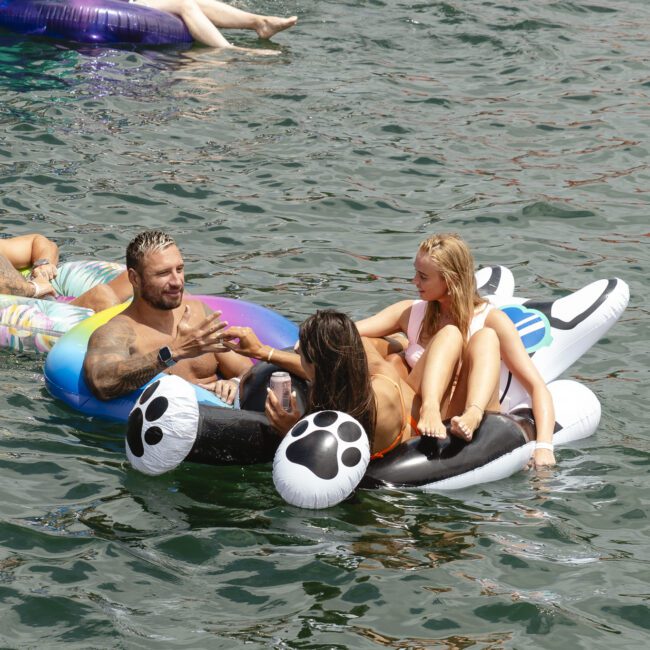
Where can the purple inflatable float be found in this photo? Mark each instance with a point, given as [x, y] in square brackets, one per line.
[93, 21]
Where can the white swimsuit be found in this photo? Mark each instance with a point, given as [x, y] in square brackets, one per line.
[414, 350]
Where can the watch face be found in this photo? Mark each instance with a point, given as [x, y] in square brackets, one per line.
[165, 355]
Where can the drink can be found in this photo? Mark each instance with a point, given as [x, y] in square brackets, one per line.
[281, 385]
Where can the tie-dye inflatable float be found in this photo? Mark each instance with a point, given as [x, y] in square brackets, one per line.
[28, 324]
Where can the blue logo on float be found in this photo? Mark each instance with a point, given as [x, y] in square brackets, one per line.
[533, 327]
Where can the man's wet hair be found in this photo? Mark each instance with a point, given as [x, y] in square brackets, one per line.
[149, 241]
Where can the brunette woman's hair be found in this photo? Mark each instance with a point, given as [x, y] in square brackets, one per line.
[456, 265]
[330, 341]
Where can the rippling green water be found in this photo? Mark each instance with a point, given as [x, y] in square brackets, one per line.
[307, 180]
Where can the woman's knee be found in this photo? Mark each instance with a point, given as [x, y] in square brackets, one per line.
[483, 342]
[187, 6]
[485, 336]
[449, 336]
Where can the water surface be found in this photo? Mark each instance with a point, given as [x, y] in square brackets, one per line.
[303, 181]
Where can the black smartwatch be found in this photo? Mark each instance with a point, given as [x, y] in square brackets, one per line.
[165, 356]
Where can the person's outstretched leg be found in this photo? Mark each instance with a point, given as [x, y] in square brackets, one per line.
[103, 296]
[228, 17]
[432, 378]
[198, 24]
[480, 376]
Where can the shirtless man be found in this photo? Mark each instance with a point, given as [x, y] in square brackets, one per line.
[160, 330]
[42, 255]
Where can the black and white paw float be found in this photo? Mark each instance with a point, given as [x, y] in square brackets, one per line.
[162, 426]
[168, 425]
[322, 459]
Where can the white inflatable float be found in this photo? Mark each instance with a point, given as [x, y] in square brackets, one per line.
[555, 333]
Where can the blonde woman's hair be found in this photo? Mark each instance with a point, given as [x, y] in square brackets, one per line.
[456, 265]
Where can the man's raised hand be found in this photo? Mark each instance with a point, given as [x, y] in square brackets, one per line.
[193, 340]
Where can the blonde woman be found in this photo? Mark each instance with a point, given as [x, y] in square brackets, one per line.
[456, 341]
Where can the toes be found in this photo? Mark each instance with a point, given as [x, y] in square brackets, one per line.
[432, 432]
[461, 428]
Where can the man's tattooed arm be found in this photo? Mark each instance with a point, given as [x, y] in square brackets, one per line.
[111, 368]
[11, 282]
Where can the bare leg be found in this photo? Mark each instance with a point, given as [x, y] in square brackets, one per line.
[228, 17]
[197, 23]
[432, 378]
[106, 295]
[202, 17]
[478, 384]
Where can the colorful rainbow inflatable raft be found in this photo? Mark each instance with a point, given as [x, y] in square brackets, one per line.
[93, 21]
[171, 421]
[64, 364]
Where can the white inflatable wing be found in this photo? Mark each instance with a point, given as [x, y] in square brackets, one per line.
[495, 280]
[556, 333]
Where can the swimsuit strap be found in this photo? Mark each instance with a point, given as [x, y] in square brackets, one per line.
[416, 319]
[400, 435]
[414, 425]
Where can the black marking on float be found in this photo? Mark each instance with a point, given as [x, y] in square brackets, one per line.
[153, 435]
[526, 414]
[232, 437]
[349, 431]
[325, 418]
[149, 391]
[316, 452]
[157, 408]
[427, 460]
[493, 282]
[134, 433]
[351, 457]
[507, 388]
[557, 323]
[300, 428]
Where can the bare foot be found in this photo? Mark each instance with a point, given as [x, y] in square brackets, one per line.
[464, 425]
[270, 25]
[430, 424]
